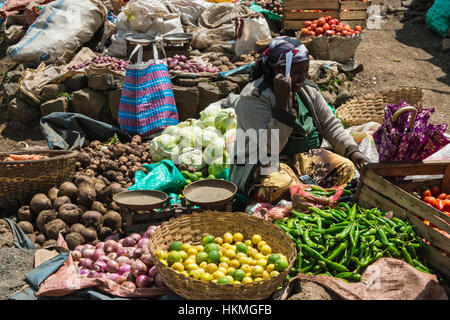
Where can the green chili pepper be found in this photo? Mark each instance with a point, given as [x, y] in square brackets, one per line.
[345, 206]
[352, 234]
[349, 275]
[406, 255]
[333, 265]
[347, 192]
[382, 237]
[336, 252]
[417, 264]
[345, 232]
[411, 250]
[302, 216]
[377, 256]
[316, 188]
[352, 213]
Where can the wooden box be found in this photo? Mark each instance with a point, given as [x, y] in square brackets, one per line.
[294, 20]
[376, 191]
[353, 12]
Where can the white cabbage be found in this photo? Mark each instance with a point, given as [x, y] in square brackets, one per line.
[163, 147]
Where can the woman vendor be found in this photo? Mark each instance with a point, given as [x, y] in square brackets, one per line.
[293, 105]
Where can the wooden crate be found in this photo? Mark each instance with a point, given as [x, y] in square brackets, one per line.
[375, 191]
[294, 20]
[353, 12]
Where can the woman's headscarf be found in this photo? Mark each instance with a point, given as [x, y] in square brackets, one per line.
[275, 55]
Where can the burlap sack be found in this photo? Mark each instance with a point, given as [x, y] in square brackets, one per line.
[67, 280]
[386, 279]
[340, 49]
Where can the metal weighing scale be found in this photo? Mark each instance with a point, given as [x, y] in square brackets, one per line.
[144, 207]
[177, 43]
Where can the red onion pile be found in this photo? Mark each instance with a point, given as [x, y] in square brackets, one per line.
[114, 64]
[127, 262]
[180, 63]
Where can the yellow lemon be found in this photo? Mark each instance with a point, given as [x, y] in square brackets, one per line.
[230, 270]
[211, 267]
[185, 273]
[247, 280]
[178, 266]
[224, 265]
[236, 282]
[246, 268]
[222, 250]
[242, 261]
[266, 250]
[161, 254]
[233, 247]
[229, 278]
[234, 264]
[248, 243]
[270, 267]
[249, 274]
[238, 237]
[230, 253]
[262, 262]
[201, 270]
[214, 281]
[218, 274]
[257, 279]
[192, 251]
[253, 252]
[203, 265]
[183, 255]
[188, 262]
[228, 238]
[195, 274]
[225, 259]
[222, 269]
[191, 266]
[260, 244]
[186, 246]
[218, 240]
[199, 248]
[164, 262]
[226, 245]
[240, 255]
[206, 277]
[282, 256]
[257, 271]
[256, 238]
[265, 275]
[258, 256]
[274, 273]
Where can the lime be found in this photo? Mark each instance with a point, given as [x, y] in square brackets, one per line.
[193, 177]
[242, 247]
[281, 265]
[176, 246]
[211, 246]
[198, 174]
[185, 173]
[211, 177]
[273, 258]
[173, 257]
[238, 274]
[223, 280]
[188, 181]
[207, 239]
[213, 256]
[201, 256]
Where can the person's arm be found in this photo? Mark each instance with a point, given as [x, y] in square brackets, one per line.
[335, 133]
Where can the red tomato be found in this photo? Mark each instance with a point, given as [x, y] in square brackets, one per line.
[326, 27]
[307, 23]
[329, 32]
[320, 35]
[332, 22]
[448, 197]
[440, 204]
[338, 33]
[328, 18]
[442, 196]
[314, 21]
[321, 22]
[319, 30]
[309, 29]
[348, 27]
[345, 32]
[314, 26]
[339, 28]
[446, 205]
[357, 32]
[435, 190]
[357, 28]
[312, 33]
[431, 201]
[447, 213]
[426, 193]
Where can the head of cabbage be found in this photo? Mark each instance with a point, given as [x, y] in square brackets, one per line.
[215, 150]
[172, 131]
[163, 147]
[225, 120]
[190, 157]
[190, 137]
[210, 111]
[209, 135]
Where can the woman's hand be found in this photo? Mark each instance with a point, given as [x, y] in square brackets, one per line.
[282, 87]
[359, 159]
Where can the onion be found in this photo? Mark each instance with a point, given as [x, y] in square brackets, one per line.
[124, 269]
[88, 253]
[169, 59]
[114, 237]
[93, 274]
[111, 246]
[78, 248]
[138, 253]
[159, 282]
[138, 268]
[129, 242]
[86, 263]
[121, 251]
[171, 65]
[130, 252]
[84, 272]
[128, 276]
[112, 266]
[183, 58]
[112, 256]
[76, 255]
[177, 68]
[177, 57]
[147, 259]
[152, 272]
[136, 237]
[129, 285]
[100, 245]
[104, 259]
[123, 260]
[121, 241]
[143, 281]
[99, 266]
[97, 254]
[143, 243]
[117, 278]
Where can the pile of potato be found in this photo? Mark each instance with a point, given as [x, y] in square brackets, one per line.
[82, 211]
[271, 5]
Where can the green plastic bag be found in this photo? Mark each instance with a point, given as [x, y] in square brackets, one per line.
[272, 16]
[225, 174]
[438, 17]
[162, 176]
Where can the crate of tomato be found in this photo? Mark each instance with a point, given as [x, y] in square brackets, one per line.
[353, 12]
[296, 12]
[327, 38]
[417, 192]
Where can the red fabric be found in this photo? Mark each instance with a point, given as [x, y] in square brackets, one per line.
[14, 7]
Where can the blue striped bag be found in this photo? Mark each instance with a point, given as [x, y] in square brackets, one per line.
[147, 104]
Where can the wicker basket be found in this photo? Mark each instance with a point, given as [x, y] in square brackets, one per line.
[370, 107]
[21, 180]
[192, 228]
